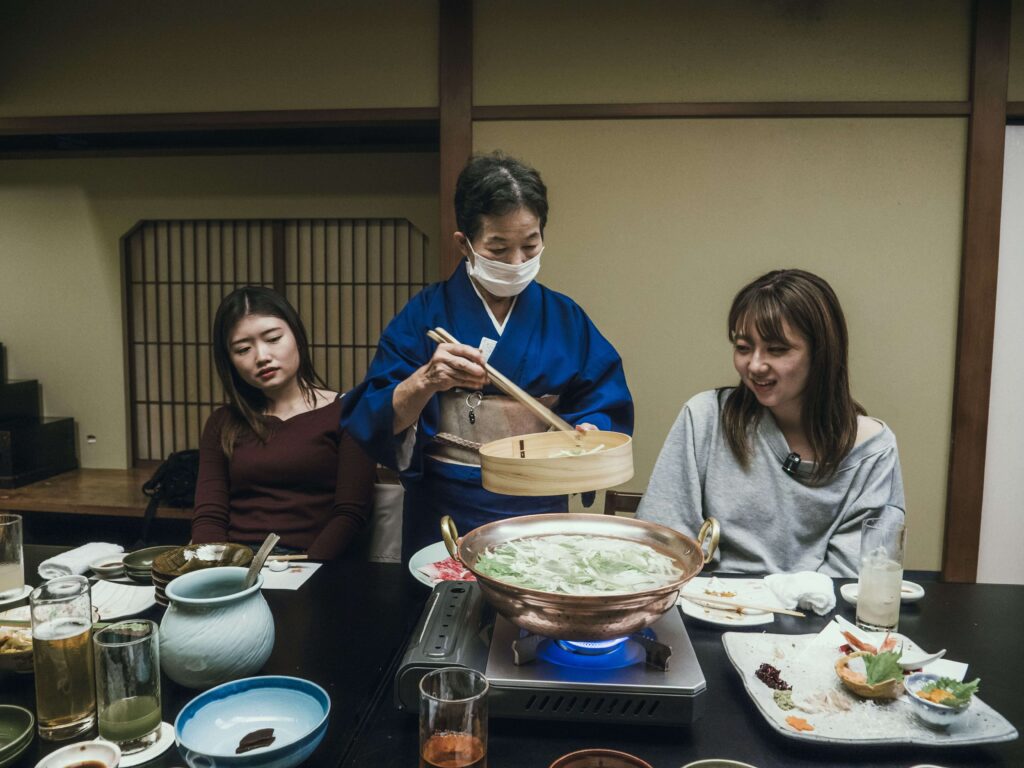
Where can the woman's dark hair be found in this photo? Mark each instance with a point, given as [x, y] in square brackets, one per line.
[246, 402]
[809, 305]
[493, 185]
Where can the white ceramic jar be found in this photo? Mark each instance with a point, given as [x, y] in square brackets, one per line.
[215, 631]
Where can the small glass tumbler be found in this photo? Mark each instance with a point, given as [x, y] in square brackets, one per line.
[882, 544]
[453, 719]
[128, 684]
[12, 563]
[62, 657]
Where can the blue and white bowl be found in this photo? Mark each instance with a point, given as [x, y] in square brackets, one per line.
[932, 714]
[210, 727]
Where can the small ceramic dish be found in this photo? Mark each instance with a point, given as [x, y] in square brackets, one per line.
[909, 592]
[107, 567]
[142, 559]
[599, 758]
[105, 753]
[715, 762]
[931, 714]
[210, 728]
[17, 729]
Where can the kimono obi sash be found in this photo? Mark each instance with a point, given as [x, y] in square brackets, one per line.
[493, 417]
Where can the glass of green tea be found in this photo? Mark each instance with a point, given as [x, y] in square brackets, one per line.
[62, 656]
[128, 684]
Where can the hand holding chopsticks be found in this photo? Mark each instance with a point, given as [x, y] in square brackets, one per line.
[506, 385]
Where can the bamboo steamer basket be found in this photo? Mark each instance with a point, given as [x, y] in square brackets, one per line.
[525, 465]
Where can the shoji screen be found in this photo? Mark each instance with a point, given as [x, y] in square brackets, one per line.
[346, 277]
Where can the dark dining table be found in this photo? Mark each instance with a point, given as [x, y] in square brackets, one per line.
[347, 627]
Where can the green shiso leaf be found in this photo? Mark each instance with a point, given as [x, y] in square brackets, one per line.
[962, 692]
[883, 666]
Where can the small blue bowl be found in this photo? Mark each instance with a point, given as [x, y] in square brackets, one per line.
[931, 714]
[210, 727]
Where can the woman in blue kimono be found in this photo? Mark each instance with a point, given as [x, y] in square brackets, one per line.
[424, 407]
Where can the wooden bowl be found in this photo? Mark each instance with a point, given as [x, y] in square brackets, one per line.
[195, 557]
[889, 689]
[538, 464]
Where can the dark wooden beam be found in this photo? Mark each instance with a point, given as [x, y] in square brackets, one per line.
[77, 125]
[724, 109]
[978, 271]
[455, 87]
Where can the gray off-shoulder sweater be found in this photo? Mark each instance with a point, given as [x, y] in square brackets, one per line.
[771, 522]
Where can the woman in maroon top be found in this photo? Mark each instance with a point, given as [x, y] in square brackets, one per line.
[273, 460]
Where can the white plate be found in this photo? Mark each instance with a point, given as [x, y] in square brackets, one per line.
[25, 591]
[747, 591]
[909, 592]
[809, 668]
[117, 601]
[432, 554]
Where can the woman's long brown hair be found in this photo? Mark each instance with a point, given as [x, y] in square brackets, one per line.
[829, 413]
[246, 403]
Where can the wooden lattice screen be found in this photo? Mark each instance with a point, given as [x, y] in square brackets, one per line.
[346, 277]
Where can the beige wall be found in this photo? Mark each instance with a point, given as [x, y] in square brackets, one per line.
[60, 271]
[61, 57]
[583, 51]
[1015, 87]
[656, 224]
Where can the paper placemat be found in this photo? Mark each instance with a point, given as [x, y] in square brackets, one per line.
[294, 577]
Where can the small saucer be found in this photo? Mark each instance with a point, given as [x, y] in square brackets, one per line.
[164, 742]
[25, 592]
[909, 592]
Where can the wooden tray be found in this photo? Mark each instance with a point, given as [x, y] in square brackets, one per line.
[526, 465]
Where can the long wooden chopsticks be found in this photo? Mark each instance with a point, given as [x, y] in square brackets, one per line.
[711, 602]
[506, 385]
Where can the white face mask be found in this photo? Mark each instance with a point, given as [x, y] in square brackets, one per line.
[501, 279]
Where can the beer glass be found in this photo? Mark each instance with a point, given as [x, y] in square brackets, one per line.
[128, 684]
[62, 656]
[12, 567]
[453, 719]
[882, 544]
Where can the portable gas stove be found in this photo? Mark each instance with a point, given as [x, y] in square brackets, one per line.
[651, 677]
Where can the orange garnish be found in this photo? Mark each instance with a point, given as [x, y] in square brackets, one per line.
[937, 695]
[859, 644]
[799, 724]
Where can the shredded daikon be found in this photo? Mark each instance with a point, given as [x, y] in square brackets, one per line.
[578, 564]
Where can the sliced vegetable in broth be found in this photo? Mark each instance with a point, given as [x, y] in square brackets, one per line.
[578, 564]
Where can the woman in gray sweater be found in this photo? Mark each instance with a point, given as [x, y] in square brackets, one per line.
[787, 460]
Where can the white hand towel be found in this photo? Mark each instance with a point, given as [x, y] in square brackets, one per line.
[76, 561]
[806, 589]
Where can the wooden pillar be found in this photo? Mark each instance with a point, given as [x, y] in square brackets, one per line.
[978, 267]
[455, 86]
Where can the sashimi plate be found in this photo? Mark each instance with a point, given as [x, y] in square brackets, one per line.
[837, 716]
[436, 553]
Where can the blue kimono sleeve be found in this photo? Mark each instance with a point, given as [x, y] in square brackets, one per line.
[367, 411]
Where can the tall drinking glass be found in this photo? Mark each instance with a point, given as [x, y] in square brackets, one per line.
[62, 656]
[128, 684]
[882, 543]
[453, 719]
[12, 565]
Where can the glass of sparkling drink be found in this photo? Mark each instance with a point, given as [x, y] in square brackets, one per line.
[12, 566]
[128, 684]
[882, 544]
[62, 656]
[453, 719]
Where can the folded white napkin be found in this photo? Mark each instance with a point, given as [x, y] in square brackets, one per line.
[76, 561]
[806, 589]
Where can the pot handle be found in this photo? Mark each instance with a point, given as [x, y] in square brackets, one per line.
[450, 534]
[711, 524]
